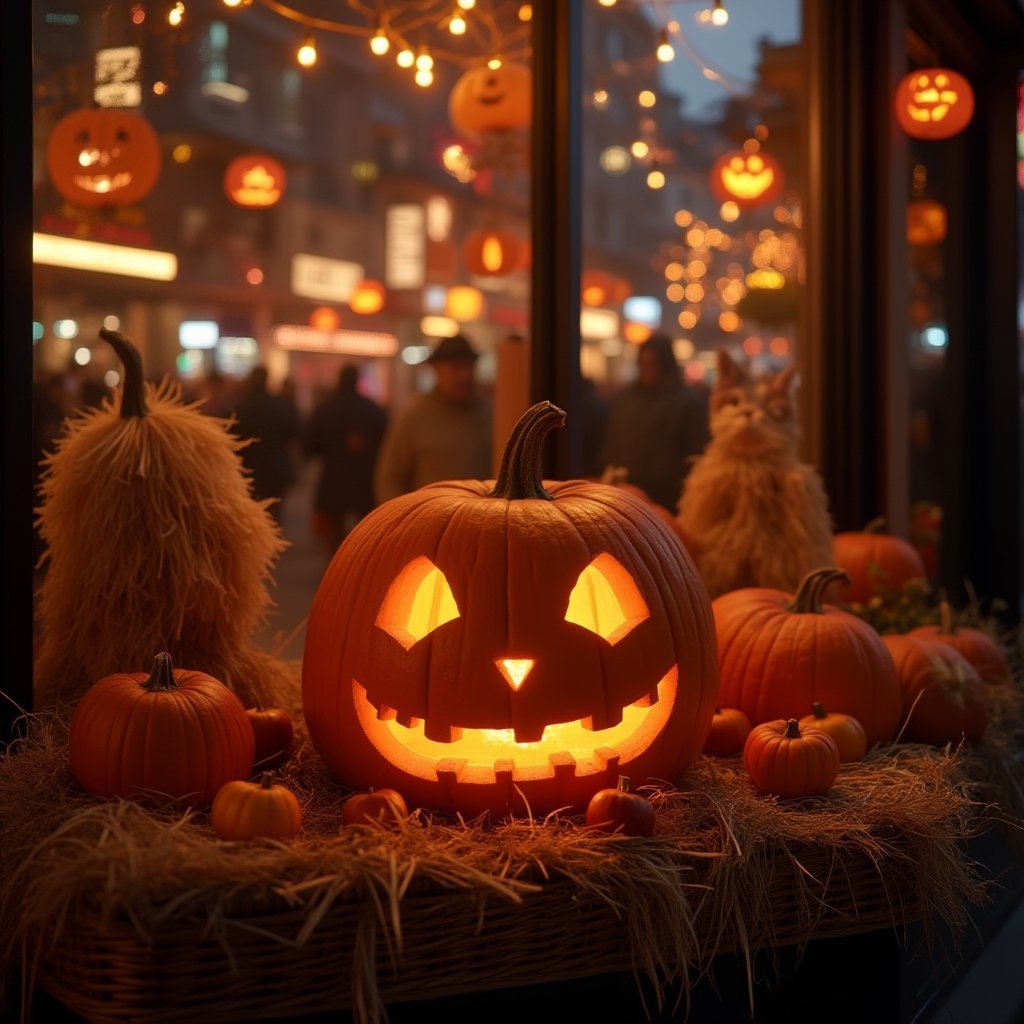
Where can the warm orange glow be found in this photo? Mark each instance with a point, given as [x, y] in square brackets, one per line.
[492, 255]
[749, 180]
[606, 600]
[464, 302]
[747, 177]
[636, 333]
[729, 321]
[515, 670]
[729, 211]
[479, 756]
[254, 181]
[926, 222]
[323, 318]
[934, 103]
[417, 602]
[687, 319]
[367, 298]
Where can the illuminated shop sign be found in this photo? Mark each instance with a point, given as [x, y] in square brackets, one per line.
[324, 279]
[80, 254]
[117, 79]
[405, 246]
[300, 338]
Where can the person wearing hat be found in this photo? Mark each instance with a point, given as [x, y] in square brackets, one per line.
[442, 435]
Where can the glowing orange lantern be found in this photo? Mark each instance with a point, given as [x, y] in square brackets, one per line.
[488, 99]
[492, 252]
[254, 181]
[323, 318]
[600, 288]
[488, 646]
[103, 157]
[747, 179]
[934, 103]
[368, 297]
[463, 303]
[926, 222]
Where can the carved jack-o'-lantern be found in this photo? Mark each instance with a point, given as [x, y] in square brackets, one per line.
[487, 99]
[254, 181]
[934, 103]
[747, 179]
[492, 252]
[477, 644]
[103, 157]
[926, 222]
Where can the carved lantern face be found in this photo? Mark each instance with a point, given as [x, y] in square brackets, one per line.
[254, 181]
[103, 157]
[934, 103]
[489, 99]
[475, 648]
[747, 179]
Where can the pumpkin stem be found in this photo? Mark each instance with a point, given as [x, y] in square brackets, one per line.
[624, 784]
[161, 675]
[521, 473]
[807, 599]
[877, 525]
[819, 711]
[947, 624]
[266, 780]
[133, 394]
[792, 729]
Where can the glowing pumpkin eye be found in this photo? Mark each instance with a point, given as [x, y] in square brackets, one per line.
[606, 600]
[417, 602]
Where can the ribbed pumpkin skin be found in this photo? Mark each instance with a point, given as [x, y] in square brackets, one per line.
[875, 562]
[975, 645]
[730, 728]
[847, 732]
[511, 565]
[774, 663]
[952, 702]
[254, 810]
[804, 764]
[126, 741]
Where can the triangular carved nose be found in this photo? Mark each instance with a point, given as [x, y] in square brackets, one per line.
[515, 670]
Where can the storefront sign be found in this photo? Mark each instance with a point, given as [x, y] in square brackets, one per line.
[300, 338]
[117, 79]
[318, 277]
[405, 246]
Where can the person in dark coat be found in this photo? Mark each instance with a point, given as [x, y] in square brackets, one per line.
[656, 424]
[272, 424]
[344, 432]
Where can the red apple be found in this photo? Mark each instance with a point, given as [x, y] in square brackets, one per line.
[619, 810]
[275, 736]
[386, 805]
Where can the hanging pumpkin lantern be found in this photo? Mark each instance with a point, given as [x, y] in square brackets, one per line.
[475, 645]
[600, 288]
[487, 99]
[255, 181]
[164, 734]
[492, 252]
[934, 103]
[153, 542]
[779, 653]
[926, 222]
[980, 649]
[747, 178]
[876, 562]
[103, 157]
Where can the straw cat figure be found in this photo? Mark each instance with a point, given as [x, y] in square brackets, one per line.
[757, 515]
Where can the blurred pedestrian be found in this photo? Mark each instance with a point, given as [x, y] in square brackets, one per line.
[215, 395]
[656, 423]
[442, 435]
[271, 423]
[345, 432]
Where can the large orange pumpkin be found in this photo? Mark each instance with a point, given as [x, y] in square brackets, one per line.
[980, 649]
[487, 99]
[875, 562]
[778, 653]
[103, 157]
[166, 734]
[475, 645]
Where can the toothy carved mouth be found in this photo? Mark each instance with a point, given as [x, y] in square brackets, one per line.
[484, 756]
[489, 101]
[102, 183]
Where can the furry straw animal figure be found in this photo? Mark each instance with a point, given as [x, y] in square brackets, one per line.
[757, 515]
[154, 543]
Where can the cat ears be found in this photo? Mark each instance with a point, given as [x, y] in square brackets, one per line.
[731, 374]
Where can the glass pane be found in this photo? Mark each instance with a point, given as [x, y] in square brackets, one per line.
[691, 224]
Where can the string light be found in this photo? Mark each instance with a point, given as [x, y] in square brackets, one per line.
[467, 5]
[379, 43]
[424, 62]
[494, 63]
[666, 52]
[525, 12]
[424, 77]
[236, 4]
[175, 14]
[655, 178]
[405, 58]
[307, 54]
[647, 98]
[719, 15]
[639, 149]
[606, 3]
[457, 23]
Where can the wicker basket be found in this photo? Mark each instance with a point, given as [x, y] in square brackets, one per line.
[254, 966]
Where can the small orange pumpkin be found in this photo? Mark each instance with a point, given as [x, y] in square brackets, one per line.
[169, 733]
[619, 810]
[387, 805]
[789, 761]
[103, 157]
[934, 103]
[487, 99]
[844, 729]
[980, 649]
[256, 810]
[747, 179]
[943, 696]
[875, 562]
[729, 731]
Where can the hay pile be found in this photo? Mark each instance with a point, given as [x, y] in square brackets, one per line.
[707, 882]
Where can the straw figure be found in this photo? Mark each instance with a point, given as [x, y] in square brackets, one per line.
[153, 543]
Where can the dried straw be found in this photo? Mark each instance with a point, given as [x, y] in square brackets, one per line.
[708, 881]
[154, 542]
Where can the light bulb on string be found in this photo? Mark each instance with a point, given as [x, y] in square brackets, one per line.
[457, 23]
[424, 62]
[467, 5]
[606, 3]
[665, 52]
[379, 43]
[175, 14]
[494, 63]
[719, 15]
[236, 4]
[424, 77]
[405, 58]
[655, 177]
[306, 54]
